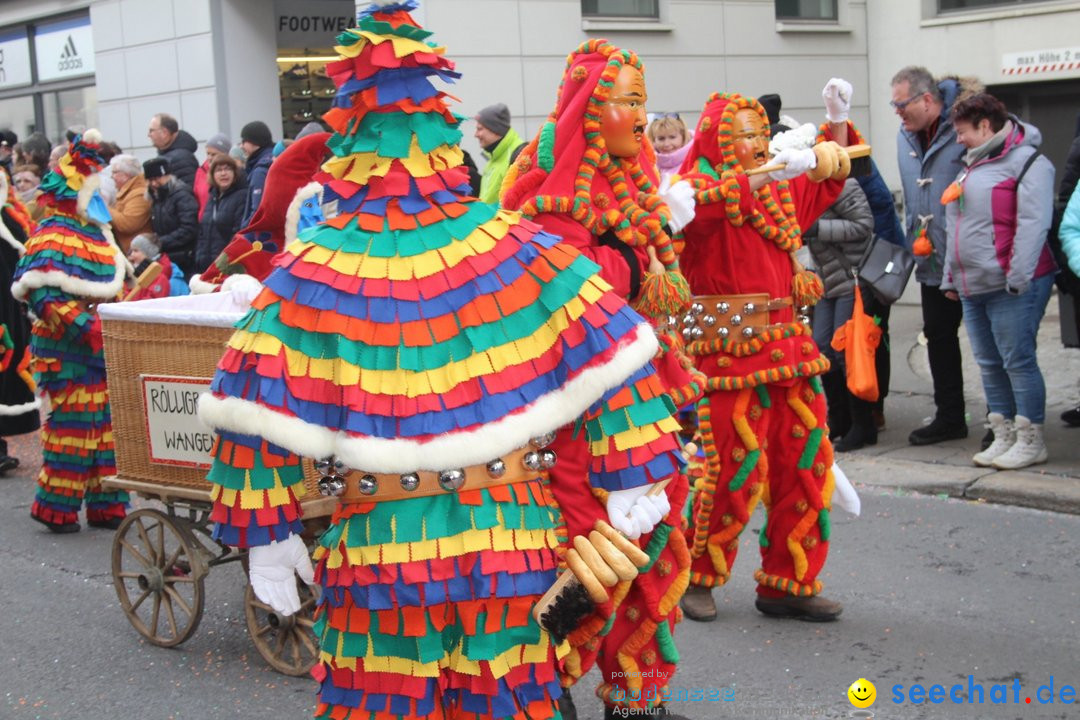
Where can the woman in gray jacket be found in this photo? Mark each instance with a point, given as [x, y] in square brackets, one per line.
[837, 242]
[998, 264]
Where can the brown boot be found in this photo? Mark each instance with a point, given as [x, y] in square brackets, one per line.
[811, 609]
[698, 604]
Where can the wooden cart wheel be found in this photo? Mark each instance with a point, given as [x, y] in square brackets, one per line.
[289, 643]
[158, 573]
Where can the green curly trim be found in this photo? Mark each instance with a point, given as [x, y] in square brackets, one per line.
[763, 539]
[744, 470]
[812, 445]
[763, 396]
[607, 626]
[825, 523]
[666, 644]
[657, 543]
[815, 384]
[545, 147]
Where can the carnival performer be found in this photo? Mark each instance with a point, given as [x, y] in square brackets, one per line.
[422, 345]
[71, 263]
[589, 177]
[18, 403]
[763, 421]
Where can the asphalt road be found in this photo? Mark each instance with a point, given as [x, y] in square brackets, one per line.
[935, 590]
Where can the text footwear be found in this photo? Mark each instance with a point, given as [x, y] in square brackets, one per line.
[1003, 438]
[1029, 448]
[698, 604]
[811, 609]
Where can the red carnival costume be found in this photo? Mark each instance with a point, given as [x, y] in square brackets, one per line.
[588, 177]
[763, 420]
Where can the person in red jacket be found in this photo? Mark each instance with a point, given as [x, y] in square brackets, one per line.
[144, 250]
[762, 423]
[590, 177]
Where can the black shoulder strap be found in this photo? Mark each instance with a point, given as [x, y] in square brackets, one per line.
[516, 152]
[1023, 171]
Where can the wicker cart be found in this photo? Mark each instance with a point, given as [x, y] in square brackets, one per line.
[160, 355]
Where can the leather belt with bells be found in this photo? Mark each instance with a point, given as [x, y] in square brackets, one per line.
[358, 486]
[739, 317]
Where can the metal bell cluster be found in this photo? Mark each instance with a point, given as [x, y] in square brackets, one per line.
[699, 318]
[540, 458]
[333, 471]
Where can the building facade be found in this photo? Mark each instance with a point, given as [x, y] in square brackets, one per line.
[218, 64]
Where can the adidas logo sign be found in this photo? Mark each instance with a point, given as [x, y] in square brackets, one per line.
[69, 56]
[69, 49]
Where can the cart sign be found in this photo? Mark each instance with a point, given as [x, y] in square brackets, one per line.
[177, 436]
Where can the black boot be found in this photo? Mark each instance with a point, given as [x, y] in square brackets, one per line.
[566, 705]
[863, 432]
[835, 386]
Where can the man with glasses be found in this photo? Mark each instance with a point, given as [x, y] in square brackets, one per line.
[175, 145]
[929, 159]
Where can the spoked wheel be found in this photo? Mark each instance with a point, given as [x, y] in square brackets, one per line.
[288, 643]
[158, 573]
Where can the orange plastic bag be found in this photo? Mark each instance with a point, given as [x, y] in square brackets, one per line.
[858, 338]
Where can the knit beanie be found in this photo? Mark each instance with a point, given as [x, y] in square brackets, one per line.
[146, 245]
[495, 118]
[219, 142]
[257, 133]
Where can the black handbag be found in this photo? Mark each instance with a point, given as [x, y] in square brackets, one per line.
[884, 268]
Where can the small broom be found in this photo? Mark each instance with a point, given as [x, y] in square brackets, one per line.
[149, 275]
[595, 563]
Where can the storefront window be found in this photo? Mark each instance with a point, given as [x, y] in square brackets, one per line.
[806, 9]
[18, 114]
[65, 108]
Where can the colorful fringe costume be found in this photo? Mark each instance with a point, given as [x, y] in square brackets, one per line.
[71, 262]
[763, 420]
[18, 404]
[567, 181]
[417, 329]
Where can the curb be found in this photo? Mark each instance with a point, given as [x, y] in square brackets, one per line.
[1041, 491]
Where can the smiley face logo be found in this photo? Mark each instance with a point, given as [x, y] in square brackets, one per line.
[862, 693]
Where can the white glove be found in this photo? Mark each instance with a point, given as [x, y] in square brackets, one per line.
[797, 162]
[273, 573]
[837, 96]
[680, 201]
[844, 495]
[633, 514]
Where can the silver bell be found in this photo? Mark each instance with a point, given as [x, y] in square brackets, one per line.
[410, 481]
[697, 308]
[723, 332]
[708, 320]
[368, 485]
[325, 465]
[749, 308]
[736, 320]
[686, 334]
[723, 308]
[531, 460]
[542, 441]
[451, 480]
[672, 321]
[331, 486]
[547, 459]
[496, 468]
[697, 333]
[688, 320]
[748, 332]
[804, 319]
[340, 467]
[804, 309]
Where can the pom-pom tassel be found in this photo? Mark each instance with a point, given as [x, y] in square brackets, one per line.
[663, 294]
[806, 288]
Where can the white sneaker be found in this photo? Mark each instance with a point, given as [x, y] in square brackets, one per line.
[1029, 448]
[1004, 438]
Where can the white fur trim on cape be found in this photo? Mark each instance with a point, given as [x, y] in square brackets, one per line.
[451, 450]
[198, 287]
[10, 410]
[292, 215]
[34, 279]
[9, 238]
